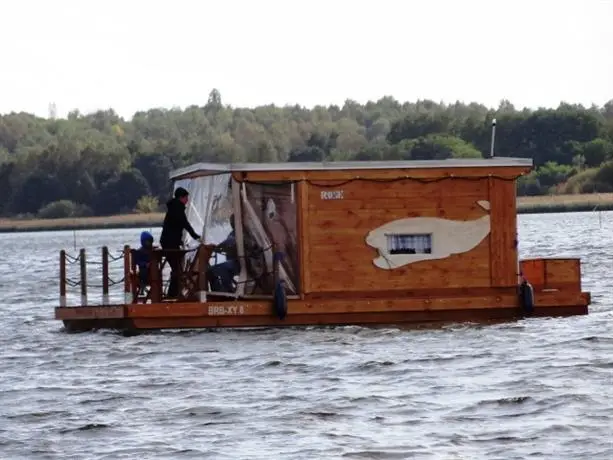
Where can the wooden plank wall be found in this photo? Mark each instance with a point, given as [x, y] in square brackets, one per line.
[503, 236]
[337, 258]
[562, 274]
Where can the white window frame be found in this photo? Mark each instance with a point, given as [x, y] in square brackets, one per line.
[409, 243]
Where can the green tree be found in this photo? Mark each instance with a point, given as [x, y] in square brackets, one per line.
[147, 204]
[307, 154]
[63, 209]
[597, 151]
[156, 171]
[122, 192]
[551, 174]
[107, 163]
[36, 191]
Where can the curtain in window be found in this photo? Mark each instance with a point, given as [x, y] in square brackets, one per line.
[409, 244]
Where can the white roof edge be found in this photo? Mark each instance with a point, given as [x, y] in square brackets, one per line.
[220, 168]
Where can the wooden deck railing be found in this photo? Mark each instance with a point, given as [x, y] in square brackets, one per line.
[192, 280]
[82, 282]
[193, 284]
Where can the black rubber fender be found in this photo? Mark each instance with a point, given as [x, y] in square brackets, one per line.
[526, 297]
[280, 301]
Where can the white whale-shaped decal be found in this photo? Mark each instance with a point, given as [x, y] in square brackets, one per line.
[447, 237]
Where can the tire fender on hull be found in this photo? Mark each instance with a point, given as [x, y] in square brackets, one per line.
[280, 301]
[526, 298]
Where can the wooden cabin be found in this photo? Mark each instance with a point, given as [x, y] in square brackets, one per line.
[367, 243]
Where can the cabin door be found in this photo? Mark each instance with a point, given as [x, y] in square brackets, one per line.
[269, 227]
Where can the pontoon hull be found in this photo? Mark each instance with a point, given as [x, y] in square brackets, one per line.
[367, 312]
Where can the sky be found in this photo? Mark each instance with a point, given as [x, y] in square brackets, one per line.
[133, 55]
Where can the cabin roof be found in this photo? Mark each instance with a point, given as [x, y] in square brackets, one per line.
[220, 168]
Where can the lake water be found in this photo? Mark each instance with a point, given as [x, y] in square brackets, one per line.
[533, 389]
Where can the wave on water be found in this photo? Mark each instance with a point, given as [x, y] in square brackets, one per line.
[539, 388]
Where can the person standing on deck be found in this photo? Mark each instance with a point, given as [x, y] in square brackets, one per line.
[175, 222]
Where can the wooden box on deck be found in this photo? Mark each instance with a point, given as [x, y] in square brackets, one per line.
[553, 274]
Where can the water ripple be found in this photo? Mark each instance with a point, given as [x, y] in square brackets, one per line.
[539, 388]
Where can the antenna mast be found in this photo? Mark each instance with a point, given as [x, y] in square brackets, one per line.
[52, 111]
[493, 138]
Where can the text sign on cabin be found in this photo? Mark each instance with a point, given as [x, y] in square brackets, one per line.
[332, 195]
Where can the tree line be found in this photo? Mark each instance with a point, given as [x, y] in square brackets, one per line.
[101, 164]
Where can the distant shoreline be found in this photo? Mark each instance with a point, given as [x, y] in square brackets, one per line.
[525, 205]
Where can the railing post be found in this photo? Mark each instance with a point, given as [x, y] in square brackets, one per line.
[62, 278]
[203, 260]
[83, 263]
[155, 276]
[105, 275]
[135, 290]
[180, 264]
[127, 292]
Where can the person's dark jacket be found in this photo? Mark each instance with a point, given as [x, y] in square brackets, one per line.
[175, 222]
[229, 246]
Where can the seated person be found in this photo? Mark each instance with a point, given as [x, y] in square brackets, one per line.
[221, 276]
[142, 258]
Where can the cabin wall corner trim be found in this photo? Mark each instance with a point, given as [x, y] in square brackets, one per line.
[303, 237]
[503, 236]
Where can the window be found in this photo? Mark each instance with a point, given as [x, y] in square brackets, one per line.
[409, 244]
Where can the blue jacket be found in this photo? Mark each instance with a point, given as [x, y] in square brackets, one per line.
[142, 255]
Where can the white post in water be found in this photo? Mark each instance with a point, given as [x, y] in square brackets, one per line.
[493, 138]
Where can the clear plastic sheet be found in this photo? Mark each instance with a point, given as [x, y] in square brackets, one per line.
[269, 222]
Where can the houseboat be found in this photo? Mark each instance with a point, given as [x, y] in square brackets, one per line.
[343, 243]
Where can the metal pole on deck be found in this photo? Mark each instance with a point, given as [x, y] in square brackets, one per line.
[493, 138]
[203, 258]
[127, 294]
[83, 263]
[62, 278]
[209, 203]
[105, 275]
[155, 276]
